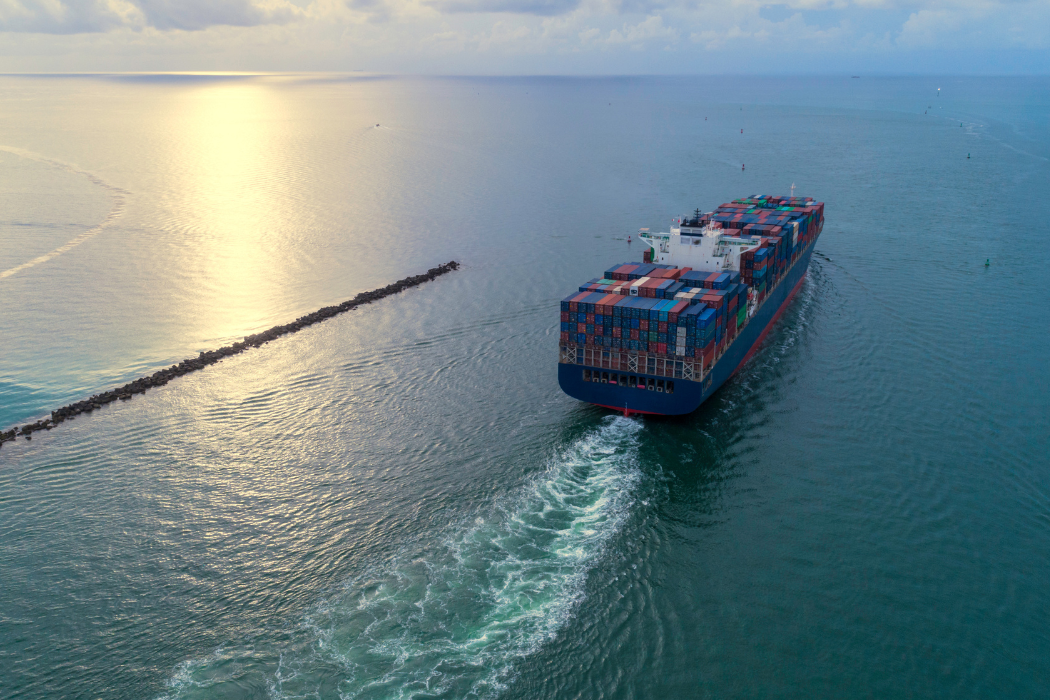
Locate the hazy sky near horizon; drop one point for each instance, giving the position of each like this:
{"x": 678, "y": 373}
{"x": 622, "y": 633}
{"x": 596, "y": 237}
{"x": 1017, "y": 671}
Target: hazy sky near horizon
{"x": 528, "y": 36}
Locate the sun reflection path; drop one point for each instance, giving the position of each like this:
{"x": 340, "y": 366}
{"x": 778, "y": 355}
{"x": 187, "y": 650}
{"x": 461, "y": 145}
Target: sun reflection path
{"x": 233, "y": 194}
{"x": 162, "y": 377}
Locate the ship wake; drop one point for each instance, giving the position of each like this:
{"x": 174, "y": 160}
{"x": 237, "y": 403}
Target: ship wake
{"x": 118, "y": 196}
{"x": 456, "y": 618}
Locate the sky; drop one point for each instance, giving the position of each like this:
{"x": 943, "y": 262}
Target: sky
{"x": 529, "y": 37}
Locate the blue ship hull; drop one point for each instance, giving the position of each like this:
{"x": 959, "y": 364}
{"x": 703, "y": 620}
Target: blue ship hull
{"x": 688, "y": 395}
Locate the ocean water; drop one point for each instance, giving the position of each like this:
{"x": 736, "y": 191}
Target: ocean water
{"x": 400, "y": 503}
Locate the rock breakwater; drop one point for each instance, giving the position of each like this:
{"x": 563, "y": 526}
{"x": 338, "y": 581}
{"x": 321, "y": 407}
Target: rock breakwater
{"x": 210, "y": 357}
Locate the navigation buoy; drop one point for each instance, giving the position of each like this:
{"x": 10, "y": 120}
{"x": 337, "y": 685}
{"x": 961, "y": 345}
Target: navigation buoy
{"x": 628, "y": 239}
{"x": 967, "y": 156}
{"x": 960, "y": 125}
{"x": 741, "y": 131}
{"x": 741, "y": 166}
{"x": 377, "y": 126}
{"x": 987, "y": 262}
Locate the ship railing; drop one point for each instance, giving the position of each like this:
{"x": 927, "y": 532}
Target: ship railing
{"x": 689, "y": 369}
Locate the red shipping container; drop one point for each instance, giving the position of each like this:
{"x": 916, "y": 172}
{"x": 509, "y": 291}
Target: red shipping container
{"x": 565, "y": 336}
{"x": 621, "y": 272}
{"x": 564, "y": 316}
{"x": 634, "y": 334}
{"x": 581, "y": 327}
{"x": 599, "y": 329}
{"x": 672, "y": 313}
{"x": 661, "y": 327}
{"x": 617, "y": 332}
{"x": 643, "y": 324}
{"x": 574, "y": 302}
{"x": 590, "y": 318}
{"x": 661, "y": 348}
{"x": 649, "y": 288}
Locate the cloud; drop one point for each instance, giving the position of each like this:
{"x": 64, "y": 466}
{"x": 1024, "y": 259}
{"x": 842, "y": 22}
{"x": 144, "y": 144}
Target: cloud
{"x": 978, "y": 23}
{"x": 502, "y": 35}
{"x": 636, "y": 35}
{"x": 85, "y": 16}
{"x": 54, "y": 17}
{"x": 517, "y": 36}
{"x": 198, "y": 14}
{"x": 542, "y": 8}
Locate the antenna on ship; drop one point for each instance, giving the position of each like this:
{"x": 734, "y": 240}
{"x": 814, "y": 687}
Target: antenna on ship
{"x": 792, "y": 189}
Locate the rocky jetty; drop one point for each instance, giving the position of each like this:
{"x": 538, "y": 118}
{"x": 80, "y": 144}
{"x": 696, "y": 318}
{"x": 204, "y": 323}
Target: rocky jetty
{"x": 210, "y": 357}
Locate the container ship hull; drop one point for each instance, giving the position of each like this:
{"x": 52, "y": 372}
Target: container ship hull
{"x": 687, "y": 395}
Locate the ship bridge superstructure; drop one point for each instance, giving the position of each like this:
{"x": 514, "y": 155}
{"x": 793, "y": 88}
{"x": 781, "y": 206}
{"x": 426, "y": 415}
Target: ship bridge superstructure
{"x": 701, "y": 244}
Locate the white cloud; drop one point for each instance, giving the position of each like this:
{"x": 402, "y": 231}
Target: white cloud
{"x": 638, "y": 35}
{"x": 977, "y": 24}
{"x": 83, "y": 16}
{"x": 548, "y": 36}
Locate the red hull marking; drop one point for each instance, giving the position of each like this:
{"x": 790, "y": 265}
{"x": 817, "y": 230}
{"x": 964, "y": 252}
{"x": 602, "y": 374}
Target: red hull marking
{"x": 772, "y": 322}
{"x": 629, "y": 412}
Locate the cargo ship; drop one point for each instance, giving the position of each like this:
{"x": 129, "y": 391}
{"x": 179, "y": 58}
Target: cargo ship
{"x": 660, "y": 336}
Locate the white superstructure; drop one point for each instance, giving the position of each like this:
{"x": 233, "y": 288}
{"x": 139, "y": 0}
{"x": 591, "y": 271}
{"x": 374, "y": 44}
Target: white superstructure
{"x": 707, "y": 247}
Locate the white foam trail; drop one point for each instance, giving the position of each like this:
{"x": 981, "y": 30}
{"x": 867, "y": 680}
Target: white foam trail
{"x": 115, "y": 213}
{"x": 454, "y": 619}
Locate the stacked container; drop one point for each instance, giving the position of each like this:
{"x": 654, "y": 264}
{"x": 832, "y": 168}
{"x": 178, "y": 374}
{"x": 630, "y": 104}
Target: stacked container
{"x": 687, "y": 314}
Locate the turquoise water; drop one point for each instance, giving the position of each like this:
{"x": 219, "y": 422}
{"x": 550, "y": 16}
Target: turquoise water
{"x": 400, "y": 503}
